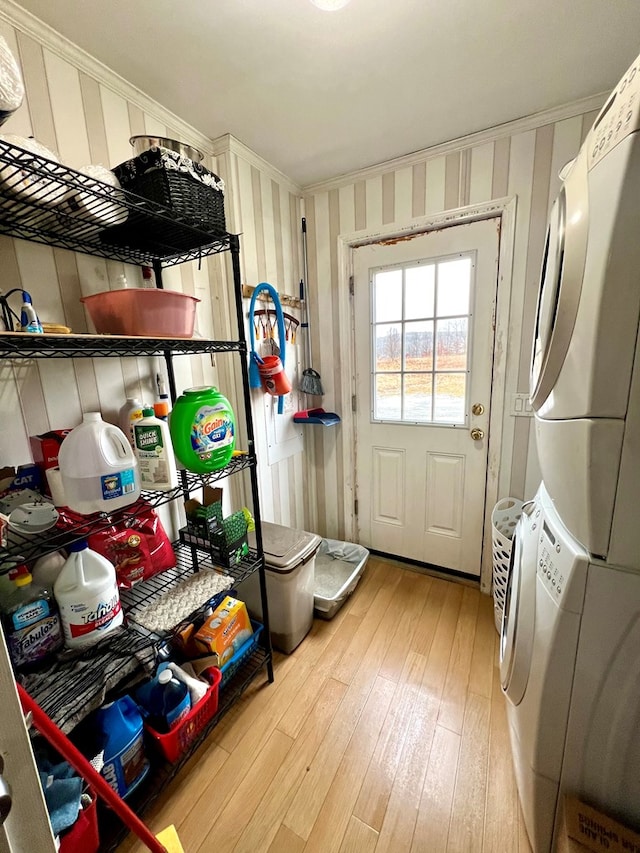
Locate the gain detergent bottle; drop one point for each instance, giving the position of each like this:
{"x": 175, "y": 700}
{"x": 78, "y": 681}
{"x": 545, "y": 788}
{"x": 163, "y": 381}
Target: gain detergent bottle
{"x": 203, "y": 430}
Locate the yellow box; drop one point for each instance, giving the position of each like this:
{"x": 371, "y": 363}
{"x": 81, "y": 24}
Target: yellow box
{"x": 225, "y": 630}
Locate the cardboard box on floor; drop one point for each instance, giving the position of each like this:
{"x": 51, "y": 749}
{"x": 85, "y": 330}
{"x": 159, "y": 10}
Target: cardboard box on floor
{"x": 585, "y": 828}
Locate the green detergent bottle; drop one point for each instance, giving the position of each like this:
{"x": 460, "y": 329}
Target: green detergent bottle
{"x": 203, "y": 430}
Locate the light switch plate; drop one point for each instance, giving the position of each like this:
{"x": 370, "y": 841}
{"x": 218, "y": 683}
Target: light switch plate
{"x": 521, "y": 406}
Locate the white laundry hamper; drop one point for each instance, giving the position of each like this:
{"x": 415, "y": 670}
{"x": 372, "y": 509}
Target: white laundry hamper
{"x": 504, "y": 518}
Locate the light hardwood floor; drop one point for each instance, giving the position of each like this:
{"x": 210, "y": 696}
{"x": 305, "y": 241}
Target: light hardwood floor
{"x": 385, "y": 731}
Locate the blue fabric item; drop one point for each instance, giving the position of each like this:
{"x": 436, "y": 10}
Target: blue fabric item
{"x": 62, "y": 793}
{"x": 254, "y": 376}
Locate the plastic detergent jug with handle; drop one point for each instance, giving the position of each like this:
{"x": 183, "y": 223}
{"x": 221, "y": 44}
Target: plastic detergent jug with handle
{"x": 203, "y": 429}
{"x": 120, "y": 730}
{"x": 87, "y": 593}
{"x": 154, "y": 451}
{"x": 168, "y": 702}
{"x": 98, "y": 467}
{"x": 129, "y": 414}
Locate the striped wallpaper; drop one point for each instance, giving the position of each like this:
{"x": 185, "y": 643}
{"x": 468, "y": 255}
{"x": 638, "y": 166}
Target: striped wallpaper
{"x": 87, "y": 119}
{"x": 84, "y": 121}
{"x": 86, "y": 114}
{"x": 523, "y": 164}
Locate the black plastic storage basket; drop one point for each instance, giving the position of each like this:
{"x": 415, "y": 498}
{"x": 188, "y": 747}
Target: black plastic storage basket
{"x": 190, "y": 192}
{"x": 201, "y": 205}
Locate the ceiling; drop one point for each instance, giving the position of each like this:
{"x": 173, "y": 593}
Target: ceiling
{"x": 318, "y": 94}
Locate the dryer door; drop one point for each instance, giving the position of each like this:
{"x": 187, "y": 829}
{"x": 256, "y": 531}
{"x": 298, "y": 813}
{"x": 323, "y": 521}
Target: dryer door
{"x": 560, "y": 282}
{"x": 518, "y": 621}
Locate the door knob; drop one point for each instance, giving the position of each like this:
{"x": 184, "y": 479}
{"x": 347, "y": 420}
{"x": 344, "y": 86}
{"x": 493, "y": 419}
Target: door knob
{"x": 477, "y": 434}
{"x": 5, "y": 795}
{"x": 477, "y": 409}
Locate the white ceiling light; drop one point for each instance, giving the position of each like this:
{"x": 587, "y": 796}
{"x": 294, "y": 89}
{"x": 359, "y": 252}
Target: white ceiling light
{"x": 330, "y": 5}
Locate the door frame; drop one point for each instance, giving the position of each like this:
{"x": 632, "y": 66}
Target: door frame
{"x": 501, "y": 428}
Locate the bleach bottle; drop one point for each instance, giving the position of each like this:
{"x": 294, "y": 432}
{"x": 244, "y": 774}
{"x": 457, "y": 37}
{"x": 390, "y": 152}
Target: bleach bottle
{"x": 98, "y": 468}
{"x": 87, "y": 594}
{"x": 120, "y": 728}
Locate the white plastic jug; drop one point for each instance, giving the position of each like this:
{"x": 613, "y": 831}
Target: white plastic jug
{"x": 98, "y": 468}
{"x": 87, "y": 594}
{"x": 154, "y": 452}
{"x": 129, "y": 414}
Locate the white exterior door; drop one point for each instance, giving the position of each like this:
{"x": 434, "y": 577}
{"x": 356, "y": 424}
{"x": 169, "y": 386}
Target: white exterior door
{"x": 27, "y": 828}
{"x": 424, "y": 337}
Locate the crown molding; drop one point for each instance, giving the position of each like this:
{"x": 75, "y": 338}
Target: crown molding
{"x": 54, "y": 41}
{"x": 491, "y": 134}
{"x": 230, "y": 144}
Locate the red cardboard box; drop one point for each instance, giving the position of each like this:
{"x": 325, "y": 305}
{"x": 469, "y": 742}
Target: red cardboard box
{"x": 45, "y": 447}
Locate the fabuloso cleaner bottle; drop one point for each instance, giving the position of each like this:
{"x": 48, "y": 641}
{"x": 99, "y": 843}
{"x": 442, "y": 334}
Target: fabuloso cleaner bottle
{"x": 29, "y": 321}
{"x": 98, "y": 468}
{"x": 203, "y": 429}
{"x": 152, "y": 445}
{"x": 88, "y": 597}
{"x": 31, "y": 623}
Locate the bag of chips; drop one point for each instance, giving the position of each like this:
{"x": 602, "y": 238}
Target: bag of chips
{"x": 137, "y": 545}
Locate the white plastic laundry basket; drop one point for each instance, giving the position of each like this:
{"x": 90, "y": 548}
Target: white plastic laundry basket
{"x": 504, "y": 518}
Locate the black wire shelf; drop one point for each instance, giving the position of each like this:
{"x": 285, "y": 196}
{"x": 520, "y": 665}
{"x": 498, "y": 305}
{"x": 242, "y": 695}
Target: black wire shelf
{"x": 24, "y": 345}
{"x": 25, "y": 549}
{"x": 46, "y": 202}
{"x": 112, "y": 830}
{"x": 78, "y": 681}
{"x": 144, "y": 594}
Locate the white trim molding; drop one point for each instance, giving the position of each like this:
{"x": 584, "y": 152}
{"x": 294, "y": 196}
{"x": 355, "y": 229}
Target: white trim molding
{"x": 54, "y": 41}
{"x": 490, "y": 134}
{"x": 229, "y": 144}
{"x": 500, "y": 434}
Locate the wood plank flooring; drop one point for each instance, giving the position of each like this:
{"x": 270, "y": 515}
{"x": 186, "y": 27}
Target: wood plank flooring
{"x": 384, "y": 732}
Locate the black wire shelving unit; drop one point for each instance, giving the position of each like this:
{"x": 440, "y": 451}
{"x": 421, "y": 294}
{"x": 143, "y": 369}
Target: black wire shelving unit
{"x": 21, "y": 345}
{"x": 23, "y": 548}
{"x": 45, "y": 202}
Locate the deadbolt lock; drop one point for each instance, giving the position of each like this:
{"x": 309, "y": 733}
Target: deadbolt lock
{"x": 477, "y": 434}
{"x": 477, "y": 409}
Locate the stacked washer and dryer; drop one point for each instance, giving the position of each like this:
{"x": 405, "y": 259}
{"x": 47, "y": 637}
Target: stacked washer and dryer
{"x": 570, "y": 643}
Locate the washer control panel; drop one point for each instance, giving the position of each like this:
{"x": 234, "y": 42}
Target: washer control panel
{"x": 619, "y": 117}
{"x": 561, "y": 564}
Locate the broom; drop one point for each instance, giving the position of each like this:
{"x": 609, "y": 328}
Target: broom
{"x": 311, "y": 382}
{"x": 166, "y": 841}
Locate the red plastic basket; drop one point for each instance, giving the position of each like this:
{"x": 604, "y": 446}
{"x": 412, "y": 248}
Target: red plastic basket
{"x": 174, "y": 743}
{"x": 83, "y": 835}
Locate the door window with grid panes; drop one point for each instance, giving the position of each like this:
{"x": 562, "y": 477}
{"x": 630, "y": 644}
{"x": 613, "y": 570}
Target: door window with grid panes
{"x": 420, "y": 338}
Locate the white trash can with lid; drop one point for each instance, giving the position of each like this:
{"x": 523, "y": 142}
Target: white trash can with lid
{"x": 290, "y": 557}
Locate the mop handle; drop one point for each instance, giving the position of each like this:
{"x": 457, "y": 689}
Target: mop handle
{"x": 76, "y": 759}
{"x": 305, "y": 260}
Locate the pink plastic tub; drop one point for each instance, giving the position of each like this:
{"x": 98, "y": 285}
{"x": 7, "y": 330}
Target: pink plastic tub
{"x": 142, "y": 311}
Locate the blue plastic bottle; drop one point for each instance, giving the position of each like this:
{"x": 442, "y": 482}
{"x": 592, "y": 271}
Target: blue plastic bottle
{"x": 121, "y": 727}
{"x": 169, "y": 702}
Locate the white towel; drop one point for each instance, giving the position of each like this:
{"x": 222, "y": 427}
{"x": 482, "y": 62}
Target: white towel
{"x": 11, "y": 85}
{"x": 97, "y": 210}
